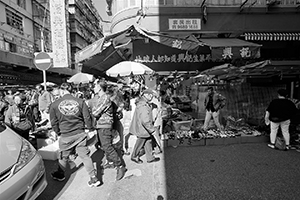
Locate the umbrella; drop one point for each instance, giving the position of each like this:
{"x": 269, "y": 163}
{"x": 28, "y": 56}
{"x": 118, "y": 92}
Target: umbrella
{"x": 50, "y": 84}
{"x": 81, "y": 78}
{"x": 126, "y": 68}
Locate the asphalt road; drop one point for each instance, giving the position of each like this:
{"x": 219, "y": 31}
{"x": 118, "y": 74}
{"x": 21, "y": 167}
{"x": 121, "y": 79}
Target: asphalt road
{"x": 240, "y": 171}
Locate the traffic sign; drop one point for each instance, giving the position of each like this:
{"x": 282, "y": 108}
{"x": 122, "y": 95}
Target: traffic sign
{"x": 42, "y": 61}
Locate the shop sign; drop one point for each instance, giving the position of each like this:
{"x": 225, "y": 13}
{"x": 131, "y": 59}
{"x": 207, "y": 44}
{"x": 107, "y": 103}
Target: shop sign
{"x": 175, "y": 58}
{"x": 185, "y": 24}
{"x": 59, "y": 33}
{"x": 8, "y": 38}
{"x": 228, "y": 53}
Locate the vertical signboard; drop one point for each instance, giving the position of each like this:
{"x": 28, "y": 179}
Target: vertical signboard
{"x": 59, "y": 33}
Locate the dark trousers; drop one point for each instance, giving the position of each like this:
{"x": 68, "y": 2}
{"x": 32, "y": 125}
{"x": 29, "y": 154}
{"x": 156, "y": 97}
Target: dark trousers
{"x": 106, "y": 138}
{"x": 141, "y": 143}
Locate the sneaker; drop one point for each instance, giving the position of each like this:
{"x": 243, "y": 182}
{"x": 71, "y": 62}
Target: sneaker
{"x": 108, "y": 165}
{"x": 94, "y": 182}
{"x": 287, "y": 147}
{"x": 58, "y": 175}
{"x": 120, "y": 172}
{"x": 272, "y": 146}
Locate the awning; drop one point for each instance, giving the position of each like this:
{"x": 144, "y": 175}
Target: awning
{"x": 90, "y": 50}
{"x": 232, "y": 48}
{"x": 261, "y": 69}
{"x": 101, "y": 62}
{"x": 148, "y": 47}
{"x": 273, "y": 36}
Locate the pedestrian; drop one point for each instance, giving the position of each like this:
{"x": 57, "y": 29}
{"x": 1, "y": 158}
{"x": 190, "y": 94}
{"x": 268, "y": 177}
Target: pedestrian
{"x": 102, "y": 111}
{"x": 3, "y": 106}
{"x": 213, "y": 103}
{"x": 279, "y": 113}
{"x": 142, "y": 125}
{"x": 69, "y": 119}
{"x": 44, "y": 102}
{"x": 18, "y": 117}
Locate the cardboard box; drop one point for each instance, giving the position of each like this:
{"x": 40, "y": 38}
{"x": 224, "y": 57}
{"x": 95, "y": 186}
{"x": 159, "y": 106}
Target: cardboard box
{"x": 215, "y": 141}
{"x": 254, "y": 139}
{"x": 172, "y": 143}
{"x": 233, "y": 140}
{"x": 50, "y": 152}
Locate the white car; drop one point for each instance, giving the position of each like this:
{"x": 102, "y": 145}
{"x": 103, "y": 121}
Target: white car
{"x": 22, "y": 171}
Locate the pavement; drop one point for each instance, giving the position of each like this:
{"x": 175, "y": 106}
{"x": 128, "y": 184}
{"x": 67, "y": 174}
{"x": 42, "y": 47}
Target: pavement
{"x": 225, "y": 172}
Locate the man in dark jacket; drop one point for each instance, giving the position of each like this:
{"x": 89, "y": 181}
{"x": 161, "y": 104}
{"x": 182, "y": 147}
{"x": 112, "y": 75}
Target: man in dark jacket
{"x": 69, "y": 118}
{"x": 213, "y": 103}
{"x": 142, "y": 125}
{"x": 102, "y": 111}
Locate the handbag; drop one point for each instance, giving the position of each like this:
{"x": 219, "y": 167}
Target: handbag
{"x": 280, "y": 143}
{"x": 23, "y": 125}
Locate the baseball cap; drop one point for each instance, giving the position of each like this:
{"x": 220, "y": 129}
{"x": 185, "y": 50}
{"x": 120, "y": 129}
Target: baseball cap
{"x": 148, "y": 91}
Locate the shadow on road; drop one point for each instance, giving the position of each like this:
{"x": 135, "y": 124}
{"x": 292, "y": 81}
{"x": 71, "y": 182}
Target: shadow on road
{"x": 242, "y": 171}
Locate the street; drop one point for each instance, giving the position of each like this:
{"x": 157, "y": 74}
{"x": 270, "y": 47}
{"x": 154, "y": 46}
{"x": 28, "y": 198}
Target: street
{"x": 241, "y": 171}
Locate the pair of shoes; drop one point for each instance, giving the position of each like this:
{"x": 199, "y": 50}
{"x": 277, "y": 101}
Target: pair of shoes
{"x": 154, "y": 160}
{"x": 272, "y": 146}
{"x": 137, "y": 160}
{"x": 108, "y": 165}
{"x": 94, "y": 182}
{"x": 58, "y": 175}
{"x": 120, "y": 172}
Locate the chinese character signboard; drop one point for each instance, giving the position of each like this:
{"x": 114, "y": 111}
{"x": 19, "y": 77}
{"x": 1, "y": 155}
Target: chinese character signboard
{"x": 235, "y": 52}
{"x": 160, "y": 57}
{"x": 185, "y": 24}
{"x": 59, "y": 33}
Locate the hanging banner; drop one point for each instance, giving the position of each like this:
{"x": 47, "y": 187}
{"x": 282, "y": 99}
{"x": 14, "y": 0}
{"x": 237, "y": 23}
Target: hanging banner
{"x": 59, "y": 33}
{"x": 160, "y": 57}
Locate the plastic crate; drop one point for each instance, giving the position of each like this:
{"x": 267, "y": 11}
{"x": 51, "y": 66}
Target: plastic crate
{"x": 182, "y": 125}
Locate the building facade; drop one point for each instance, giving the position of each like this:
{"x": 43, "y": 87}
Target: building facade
{"x": 273, "y": 24}
{"x": 24, "y": 23}
{"x": 85, "y": 25}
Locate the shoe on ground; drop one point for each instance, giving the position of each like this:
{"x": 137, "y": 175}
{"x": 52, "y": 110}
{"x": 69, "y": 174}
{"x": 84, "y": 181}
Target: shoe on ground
{"x": 58, "y": 175}
{"x": 120, "y": 172}
{"x": 287, "y": 147}
{"x": 126, "y": 152}
{"x": 153, "y": 160}
{"x": 272, "y": 146}
{"x": 94, "y": 182}
{"x": 108, "y": 165}
{"x": 137, "y": 160}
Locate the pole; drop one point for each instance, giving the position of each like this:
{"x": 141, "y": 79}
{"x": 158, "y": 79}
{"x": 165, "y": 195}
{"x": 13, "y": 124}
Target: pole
{"x": 42, "y": 49}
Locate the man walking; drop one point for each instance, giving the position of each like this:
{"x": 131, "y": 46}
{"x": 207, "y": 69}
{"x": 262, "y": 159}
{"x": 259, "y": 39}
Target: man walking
{"x": 69, "y": 118}
{"x": 102, "y": 110}
{"x": 142, "y": 126}
{"x": 213, "y": 103}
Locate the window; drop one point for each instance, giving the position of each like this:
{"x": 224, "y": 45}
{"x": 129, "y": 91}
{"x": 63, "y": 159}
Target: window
{"x": 22, "y": 3}
{"x": 14, "y": 20}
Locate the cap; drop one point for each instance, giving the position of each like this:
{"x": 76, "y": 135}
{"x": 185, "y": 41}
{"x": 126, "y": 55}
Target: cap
{"x": 148, "y": 91}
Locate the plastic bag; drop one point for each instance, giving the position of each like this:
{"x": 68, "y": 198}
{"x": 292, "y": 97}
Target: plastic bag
{"x": 280, "y": 143}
